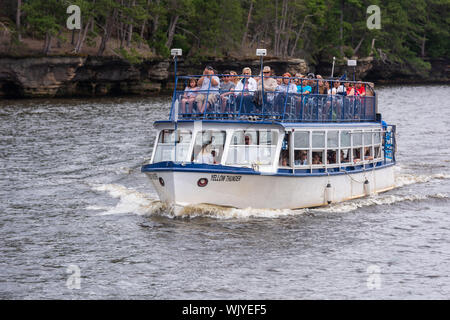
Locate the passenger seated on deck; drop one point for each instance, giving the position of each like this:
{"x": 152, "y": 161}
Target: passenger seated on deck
{"x": 245, "y": 89}
{"x": 286, "y": 88}
{"x": 316, "y": 158}
{"x": 226, "y": 88}
{"x": 189, "y": 96}
{"x": 284, "y": 158}
{"x": 297, "y": 79}
{"x": 344, "y": 158}
{"x": 356, "y": 155}
{"x": 300, "y": 158}
{"x": 340, "y": 89}
{"x": 331, "y": 157}
{"x": 360, "y": 89}
{"x": 367, "y": 155}
{"x": 204, "y": 156}
{"x": 349, "y": 89}
{"x": 270, "y": 85}
{"x": 318, "y": 87}
{"x": 207, "y": 82}
{"x": 304, "y": 88}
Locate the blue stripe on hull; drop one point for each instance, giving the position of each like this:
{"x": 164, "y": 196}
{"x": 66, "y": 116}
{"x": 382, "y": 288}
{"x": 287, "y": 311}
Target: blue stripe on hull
{"x": 206, "y": 168}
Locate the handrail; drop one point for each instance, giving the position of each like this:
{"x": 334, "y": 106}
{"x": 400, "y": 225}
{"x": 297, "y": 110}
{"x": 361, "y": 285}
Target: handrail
{"x": 295, "y": 107}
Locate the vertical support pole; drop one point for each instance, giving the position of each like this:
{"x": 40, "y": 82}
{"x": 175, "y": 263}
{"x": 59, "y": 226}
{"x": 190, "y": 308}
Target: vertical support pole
{"x": 262, "y": 84}
{"x": 175, "y": 111}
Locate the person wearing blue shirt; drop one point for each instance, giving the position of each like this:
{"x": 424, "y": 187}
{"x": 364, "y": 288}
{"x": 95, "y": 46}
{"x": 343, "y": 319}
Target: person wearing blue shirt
{"x": 304, "y": 88}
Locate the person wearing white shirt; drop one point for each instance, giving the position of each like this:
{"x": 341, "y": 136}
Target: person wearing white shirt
{"x": 245, "y": 90}
{"x": 204, "y": 155}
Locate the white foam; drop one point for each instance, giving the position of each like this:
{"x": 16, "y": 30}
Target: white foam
{"x": 408, "y": 179}
{"x": 130, "y": 201}
{"x": 203, "y": 210}
{"x": 352, "y": 205}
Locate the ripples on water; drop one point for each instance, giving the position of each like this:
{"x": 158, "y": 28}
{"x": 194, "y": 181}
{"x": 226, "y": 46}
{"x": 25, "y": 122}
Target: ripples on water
{"x": 72, "y": 193}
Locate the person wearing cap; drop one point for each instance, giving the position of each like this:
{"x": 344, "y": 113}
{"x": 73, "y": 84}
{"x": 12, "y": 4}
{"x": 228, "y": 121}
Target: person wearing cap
{"x": 209, "y": 88}
{"x": 270, "y": 84}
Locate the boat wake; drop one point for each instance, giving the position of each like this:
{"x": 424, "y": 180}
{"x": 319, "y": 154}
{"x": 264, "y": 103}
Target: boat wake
{"x": 133, "y": 201}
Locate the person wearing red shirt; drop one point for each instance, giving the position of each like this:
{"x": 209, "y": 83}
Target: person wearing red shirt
{"x": 360, "y": 89}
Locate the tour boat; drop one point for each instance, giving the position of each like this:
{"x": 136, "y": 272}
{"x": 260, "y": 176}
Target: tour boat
{"x": 275, "y": 150}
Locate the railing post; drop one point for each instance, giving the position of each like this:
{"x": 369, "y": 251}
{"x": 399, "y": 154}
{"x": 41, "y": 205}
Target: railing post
{"x": 301, "y": 99}
{"x": 242, "y": 95}
{"x": 365, "y": 95}
{"x": 262, "y": 84}
{"x": 317, "y": 99}
{"x": 207, "y": 96}
{"x": 285, "y": 100}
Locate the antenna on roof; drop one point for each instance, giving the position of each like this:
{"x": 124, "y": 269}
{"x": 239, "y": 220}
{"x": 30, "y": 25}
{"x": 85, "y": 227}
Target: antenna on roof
{"x": 262, "y": 53}
{"x": 175, "y": 104}
{"x": 332, "y": 69}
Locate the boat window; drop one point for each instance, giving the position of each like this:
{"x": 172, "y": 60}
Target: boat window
{"x": 172, "y": 145}
{"x": 356, "y": 155}
{"x": 345, "y": 155}
{"x": 301, "y": 140}
{"x": 208, "y": 147}
{"x": 317, "y": 157}
{"x": 368, "y": 153}
{"x": 252, "y": 147}
{"x": 301, "y": 158}
{"x": 332, "y": 156}
{"x": 318, "y": 139}
{"x": 345, "y": 139}
{"x": 301, "y": 148}
{"x": 368, "y": 138}
{"x": 377, "y": 137}
{"x": 377, "y": 152}
{"x": 285, "y": 154}
{"x": 333, "y": 139}
{"x": 357, "y": 138}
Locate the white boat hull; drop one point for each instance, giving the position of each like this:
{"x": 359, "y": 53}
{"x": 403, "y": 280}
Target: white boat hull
{"x": 269, "y": 191}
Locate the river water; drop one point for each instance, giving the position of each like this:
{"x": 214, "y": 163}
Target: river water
{"x": 75, "y": 206}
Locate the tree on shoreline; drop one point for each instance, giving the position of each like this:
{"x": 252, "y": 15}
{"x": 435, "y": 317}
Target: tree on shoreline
{"x": 412, "y": 30}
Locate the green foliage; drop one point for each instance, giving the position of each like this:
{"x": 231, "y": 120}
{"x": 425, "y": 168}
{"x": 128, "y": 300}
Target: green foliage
{"x": 132, "y": 56}
{"x": 411, "y": 30}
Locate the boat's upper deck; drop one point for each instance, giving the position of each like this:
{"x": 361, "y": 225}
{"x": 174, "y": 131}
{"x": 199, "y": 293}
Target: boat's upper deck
{"x": 295, "y": 100}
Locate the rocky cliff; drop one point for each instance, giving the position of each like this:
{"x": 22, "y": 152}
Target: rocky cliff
{"x": 69, "y": 76}
{"x": 79, "y": 76}
{"x": 101, "y": 76}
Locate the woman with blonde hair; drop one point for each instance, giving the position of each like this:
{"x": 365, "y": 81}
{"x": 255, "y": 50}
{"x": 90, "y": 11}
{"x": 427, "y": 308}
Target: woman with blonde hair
{"x": 245, "y": 89}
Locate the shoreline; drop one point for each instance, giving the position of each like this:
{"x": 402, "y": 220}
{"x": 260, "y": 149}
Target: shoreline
{"x": 168, "y": 94}
{"x": 70, "y": 76}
